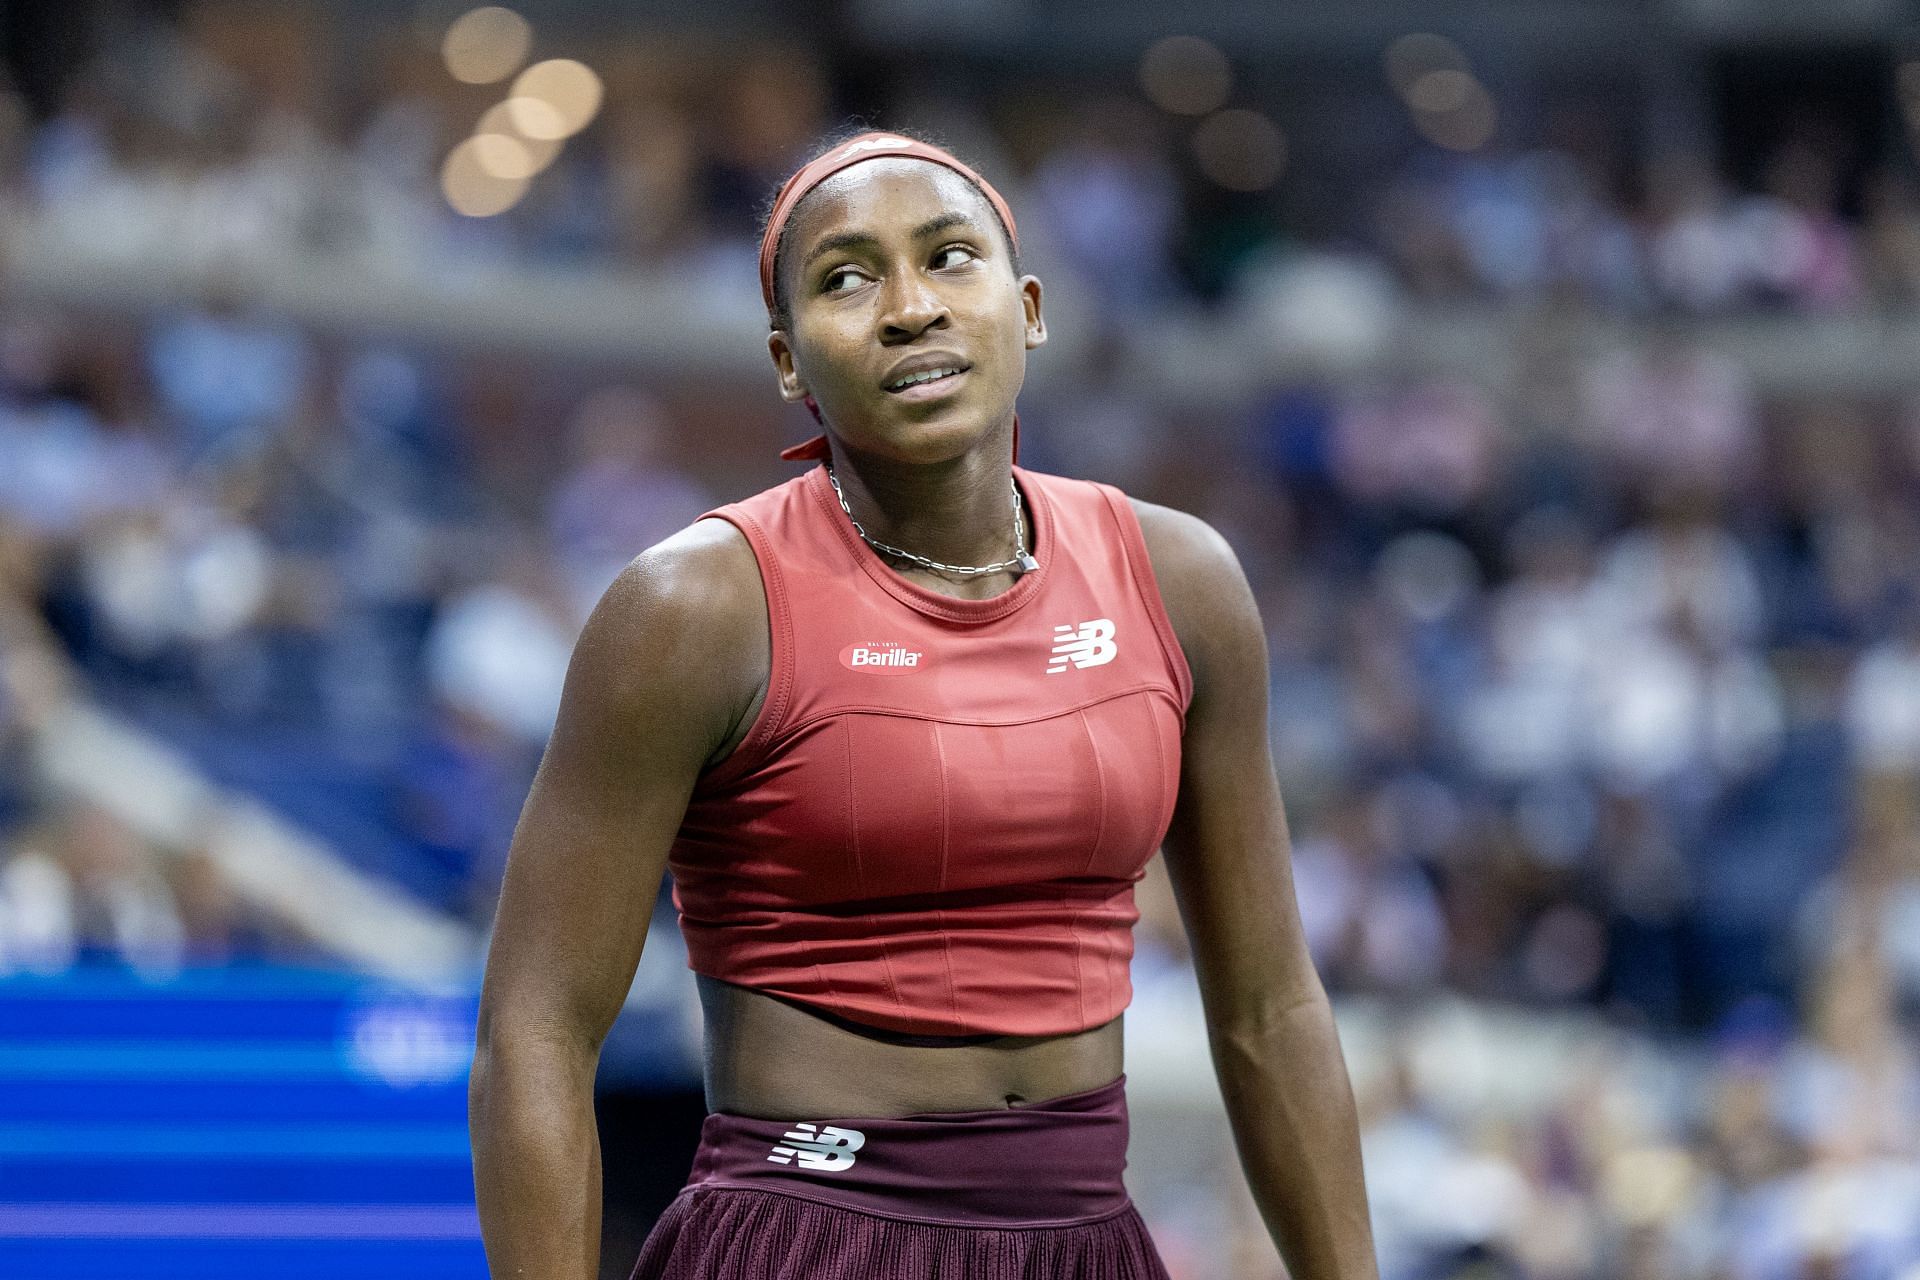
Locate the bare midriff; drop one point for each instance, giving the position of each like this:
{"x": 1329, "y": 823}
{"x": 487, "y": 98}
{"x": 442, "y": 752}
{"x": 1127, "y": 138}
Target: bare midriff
{"x": 768, "y": 1059}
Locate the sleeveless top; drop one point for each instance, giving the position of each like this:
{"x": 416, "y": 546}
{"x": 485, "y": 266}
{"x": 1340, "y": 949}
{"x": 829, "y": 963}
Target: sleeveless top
{"x": 935, "y": 823}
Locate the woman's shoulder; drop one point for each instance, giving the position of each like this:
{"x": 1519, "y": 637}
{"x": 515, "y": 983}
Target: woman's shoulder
{"x": 1181, "y": 540}
{"x": 1170, "y": 533}
{"x": 696, "y": 572}
{"x": 771, "y": 506}
{"x": 1202, "y": 585}
{"x": 689, "y": 612}
{"x": 1175, "y": 540}
{"x": 1193, "y": 565}
{"x": 708, "y": 570}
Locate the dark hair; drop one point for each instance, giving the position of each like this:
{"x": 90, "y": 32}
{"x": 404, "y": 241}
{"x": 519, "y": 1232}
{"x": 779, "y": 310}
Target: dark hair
{"x": 782, "y": 316}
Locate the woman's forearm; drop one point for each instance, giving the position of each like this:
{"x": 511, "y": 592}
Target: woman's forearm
{"x": 536, "y": 1160}
{"x": 1291, "y": 1107}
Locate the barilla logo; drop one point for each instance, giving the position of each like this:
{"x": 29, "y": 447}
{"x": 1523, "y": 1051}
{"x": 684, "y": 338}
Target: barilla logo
{"x": 886, "y": 658}
{"x": 825, "y": 1148}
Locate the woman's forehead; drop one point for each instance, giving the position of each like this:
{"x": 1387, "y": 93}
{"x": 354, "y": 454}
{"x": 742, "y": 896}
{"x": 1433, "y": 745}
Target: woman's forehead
{"x": 892, "y": 194}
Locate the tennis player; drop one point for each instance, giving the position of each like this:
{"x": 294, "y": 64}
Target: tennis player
{"x": 906, "y": 729}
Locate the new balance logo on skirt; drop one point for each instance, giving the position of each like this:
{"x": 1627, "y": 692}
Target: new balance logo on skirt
{"x": 1088, "y": 645}
{"x": 824, "y": 1148}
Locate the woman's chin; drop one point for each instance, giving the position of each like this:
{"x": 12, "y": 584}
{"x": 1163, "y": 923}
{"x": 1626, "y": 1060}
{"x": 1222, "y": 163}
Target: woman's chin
{"x": 940, "y": 438}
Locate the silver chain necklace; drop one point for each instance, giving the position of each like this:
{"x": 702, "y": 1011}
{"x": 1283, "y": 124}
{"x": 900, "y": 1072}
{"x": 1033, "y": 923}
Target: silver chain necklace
{"x": 1021, "y": 560}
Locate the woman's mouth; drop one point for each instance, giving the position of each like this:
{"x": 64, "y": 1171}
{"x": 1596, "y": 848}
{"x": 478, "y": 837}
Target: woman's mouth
{"x": 928, "y": 385}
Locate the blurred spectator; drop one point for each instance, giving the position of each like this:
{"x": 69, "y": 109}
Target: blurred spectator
{"x": 620, "y": 493}
{"x": 1106, "y": 188}
{"x": 498, "y": 651}
{"x": 117, "y": 903}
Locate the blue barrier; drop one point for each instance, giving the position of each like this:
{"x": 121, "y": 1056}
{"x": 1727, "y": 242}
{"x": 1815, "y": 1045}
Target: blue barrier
{"x": 234, "y": 1122}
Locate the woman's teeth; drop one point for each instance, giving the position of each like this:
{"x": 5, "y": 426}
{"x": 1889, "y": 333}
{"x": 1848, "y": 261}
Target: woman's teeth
{"x": 929, "y": 376}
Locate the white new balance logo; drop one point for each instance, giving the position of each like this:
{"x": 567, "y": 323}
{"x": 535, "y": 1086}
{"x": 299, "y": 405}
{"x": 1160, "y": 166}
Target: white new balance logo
{"x": 871, "y": 144}
{"x": 825, "y": 1148}
{"x": 1088, "y": 645}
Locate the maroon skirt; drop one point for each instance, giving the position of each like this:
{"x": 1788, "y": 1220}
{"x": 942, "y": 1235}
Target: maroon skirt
{"x": 1020, "y": 1193}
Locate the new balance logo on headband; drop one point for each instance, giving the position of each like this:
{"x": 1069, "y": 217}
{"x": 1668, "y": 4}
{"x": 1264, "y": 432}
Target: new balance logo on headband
{"x": 858, "y": 145}
{"x": 1088, "y": 645}
{"x": 823, "y": 1148}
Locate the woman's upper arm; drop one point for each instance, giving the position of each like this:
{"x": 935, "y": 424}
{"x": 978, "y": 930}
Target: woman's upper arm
{"x": 1227, "y": 849}
{"x": 662, "y": 675}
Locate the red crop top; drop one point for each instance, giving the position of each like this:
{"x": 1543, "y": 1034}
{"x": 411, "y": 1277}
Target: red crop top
{"x": 936, "y": 821}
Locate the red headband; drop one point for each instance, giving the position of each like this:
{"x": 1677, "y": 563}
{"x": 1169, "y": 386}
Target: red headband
{"x": 868, "y": 146}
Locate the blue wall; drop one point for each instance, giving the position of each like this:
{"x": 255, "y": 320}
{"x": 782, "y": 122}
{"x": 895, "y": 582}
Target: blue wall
{"x": 234, "y": 1122}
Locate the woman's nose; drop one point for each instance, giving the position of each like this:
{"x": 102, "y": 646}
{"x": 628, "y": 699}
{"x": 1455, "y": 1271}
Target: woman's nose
{"x": 913, "y": 305}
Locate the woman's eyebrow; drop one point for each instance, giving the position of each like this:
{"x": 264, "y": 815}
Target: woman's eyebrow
{"x": 858, "y": 239}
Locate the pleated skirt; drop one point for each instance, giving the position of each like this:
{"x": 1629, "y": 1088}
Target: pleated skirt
{"x": 1021, "y": 1193}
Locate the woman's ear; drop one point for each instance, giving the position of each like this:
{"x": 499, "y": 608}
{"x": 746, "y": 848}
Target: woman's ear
{"x": 793, "y": 387}
{"x": 1036, "y": 326}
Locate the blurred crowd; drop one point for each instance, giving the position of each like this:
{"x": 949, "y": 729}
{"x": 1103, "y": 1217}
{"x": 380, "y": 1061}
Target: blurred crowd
{"x": 224, "y": 137}
{"x": 1553, "y": 221}
{"x": 1755, "y": 1153}
{"x": 1595, "y": 688}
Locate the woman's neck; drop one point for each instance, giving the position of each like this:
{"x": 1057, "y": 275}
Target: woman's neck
{"x": 957, "y": 512}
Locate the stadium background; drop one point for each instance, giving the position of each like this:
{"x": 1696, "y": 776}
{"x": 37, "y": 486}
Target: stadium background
{"x": 1553, "y": 367}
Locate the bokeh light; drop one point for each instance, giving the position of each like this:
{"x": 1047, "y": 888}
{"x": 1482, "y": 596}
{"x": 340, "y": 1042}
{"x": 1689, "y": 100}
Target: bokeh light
{"x": 469, "y": 186}
{"x": 1467, "y": 120}
{"x": 502, "y": 156}
{"x": 1418, "y": 54}
{"x": 1443, "y": 91}
{"x": 484, "y": 45}
{"x": 1186, "y": 76}
{"x": 1241, "y": 150}
{"x": 498, "y": 120}
{"x": 554, "y": 99}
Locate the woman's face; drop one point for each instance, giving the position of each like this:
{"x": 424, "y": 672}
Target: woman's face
{"x": 895, "y": 267}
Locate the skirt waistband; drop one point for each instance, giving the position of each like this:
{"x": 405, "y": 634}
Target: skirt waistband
{"x": 1049, "y": 1163}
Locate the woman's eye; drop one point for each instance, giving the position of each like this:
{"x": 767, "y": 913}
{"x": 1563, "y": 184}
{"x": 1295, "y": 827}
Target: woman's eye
{"x": 837, "y": 280}
{"x": 832, "y": 282}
